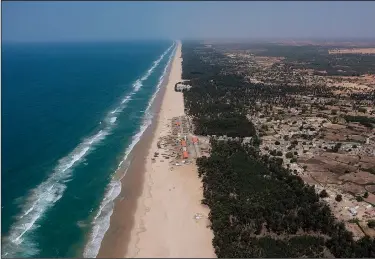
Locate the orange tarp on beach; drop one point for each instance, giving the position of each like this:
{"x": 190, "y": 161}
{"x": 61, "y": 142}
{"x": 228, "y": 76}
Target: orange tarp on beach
{"x": 185, "y": 154}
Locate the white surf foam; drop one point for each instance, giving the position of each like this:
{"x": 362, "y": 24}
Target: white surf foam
{"x": 113, "y": 119}
{"x": 43, "y": 197}
{"x": 102, "y": 219}
{"x": 137, "y": 85}
{"x": 105, "y": 212}
{"x": 160, "y": 82}
{"x": 126, "y": 99}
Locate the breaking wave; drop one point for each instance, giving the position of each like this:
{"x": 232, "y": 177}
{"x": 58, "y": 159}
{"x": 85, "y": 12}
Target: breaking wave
{"x": 46, "y": 194}
{"x": 101, "y": 221}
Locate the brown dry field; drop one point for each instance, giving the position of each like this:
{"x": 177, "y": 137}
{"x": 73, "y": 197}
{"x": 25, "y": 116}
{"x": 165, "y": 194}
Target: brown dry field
{"x": 370, "y": 188}
{"x": 369, "y": 231}
{"x": 353, "y": 228}
{"x": 328, "y": 168}
{"x": 337, "y": 132}
{"x": 267, "y": 61}
{"x": 352, "y": 51}
{"x": 326, "y": 43}
{"x": 341, "y": 168}
{"x": 363, "y": 79}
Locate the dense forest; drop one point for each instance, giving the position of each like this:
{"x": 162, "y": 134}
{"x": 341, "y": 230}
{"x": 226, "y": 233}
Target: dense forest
{"x": 258, "y": 208}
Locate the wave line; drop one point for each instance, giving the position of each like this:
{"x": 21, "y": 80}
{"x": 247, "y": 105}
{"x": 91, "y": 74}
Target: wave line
{"x": 47, "y": 193}
{"x": 101, "y": 221}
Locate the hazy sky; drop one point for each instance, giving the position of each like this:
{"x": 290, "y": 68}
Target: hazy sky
{"x": 77, "y": 21}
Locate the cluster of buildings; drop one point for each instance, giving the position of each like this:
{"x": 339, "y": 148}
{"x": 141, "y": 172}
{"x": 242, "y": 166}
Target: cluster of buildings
{"x": 185, "y": 154}
{"x": 179, "y": 87}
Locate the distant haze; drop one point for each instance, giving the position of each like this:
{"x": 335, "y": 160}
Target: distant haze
{"x": 106, "y": 21}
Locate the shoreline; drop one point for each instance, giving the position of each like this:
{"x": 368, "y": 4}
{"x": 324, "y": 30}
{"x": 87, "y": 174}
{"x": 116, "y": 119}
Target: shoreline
{"x": 114, "y": 243}
{"x": 159, "y": 204}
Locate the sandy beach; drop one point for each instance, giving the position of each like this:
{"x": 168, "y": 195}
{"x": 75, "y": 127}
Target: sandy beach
{"x": 156, "y": 217}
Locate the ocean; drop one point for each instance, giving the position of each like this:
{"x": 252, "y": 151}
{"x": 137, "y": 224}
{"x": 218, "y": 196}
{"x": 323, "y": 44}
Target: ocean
{"x": 71, "y": 114}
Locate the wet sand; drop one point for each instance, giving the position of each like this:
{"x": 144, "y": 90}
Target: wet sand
{"x": 155, "y": 218}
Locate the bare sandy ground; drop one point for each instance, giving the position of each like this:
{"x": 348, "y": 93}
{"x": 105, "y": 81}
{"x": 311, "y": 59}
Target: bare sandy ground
{"x": 164, "y": 223}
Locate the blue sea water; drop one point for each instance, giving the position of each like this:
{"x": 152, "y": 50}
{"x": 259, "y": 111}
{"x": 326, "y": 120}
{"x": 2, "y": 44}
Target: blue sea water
{"x": 71, "y": 113}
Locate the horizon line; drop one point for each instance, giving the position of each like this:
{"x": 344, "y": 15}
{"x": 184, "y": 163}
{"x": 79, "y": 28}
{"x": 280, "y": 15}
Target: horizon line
{"x": 318, "y": 38}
